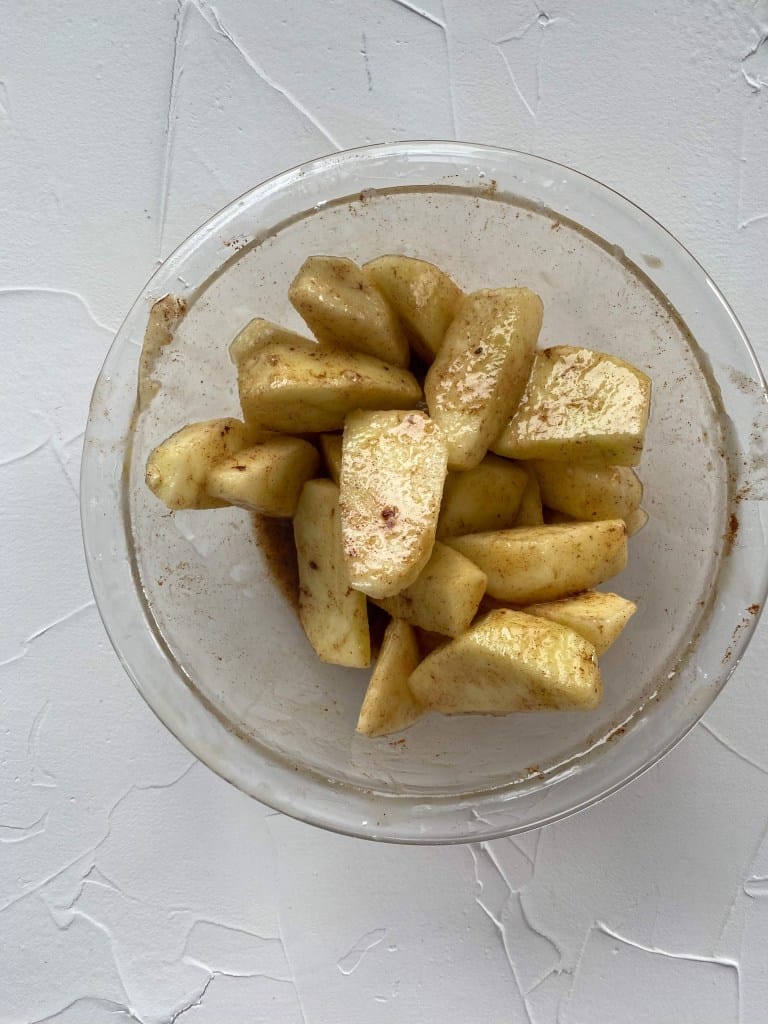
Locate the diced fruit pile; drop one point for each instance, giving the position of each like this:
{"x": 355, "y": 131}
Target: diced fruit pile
{"x": 477, "y": 498}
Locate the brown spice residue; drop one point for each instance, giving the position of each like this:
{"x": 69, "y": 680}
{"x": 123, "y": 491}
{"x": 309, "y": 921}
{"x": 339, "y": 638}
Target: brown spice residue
{"x": 275, "y": 538}
{"x": 736, "y": 633}
{"x": 731, "y": 532}
{"x": 164, "y": 318}
{"x": 389, "y": 515}
{"x": 753, "y": 609}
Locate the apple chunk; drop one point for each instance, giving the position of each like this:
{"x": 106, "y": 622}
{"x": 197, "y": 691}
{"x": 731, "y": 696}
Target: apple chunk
{"x": 579, "y": 406}
{"x": 423, "y": 297}
{"x": 300, "y": 387}
{"x": 484, "y": 498}
{"x": 393, "y": 467}
{"x": 334, "y": 616}
{"x": 481, "y": 369}
{"x": 588, "y": 491}
{"x": 509, "y": 661}
{"x": 267, "y": 477}
{"x": 177, "y": 470}
{"x": 258, "y": 332}
{"x": 530, "y": 511}
{"x": 340, "y": 307}
{"x": 389, "y": 706}
{"x": 542, "y": 563}
{"x": 445, "y": 596}
{"x": 330, "y": 445}
{"x": 598, "y": 617}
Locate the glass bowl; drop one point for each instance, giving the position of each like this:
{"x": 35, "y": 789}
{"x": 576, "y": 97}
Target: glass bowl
{"x": 190, "y": 599}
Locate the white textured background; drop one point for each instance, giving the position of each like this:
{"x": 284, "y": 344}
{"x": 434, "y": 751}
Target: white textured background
{"x": 134, "y": 884}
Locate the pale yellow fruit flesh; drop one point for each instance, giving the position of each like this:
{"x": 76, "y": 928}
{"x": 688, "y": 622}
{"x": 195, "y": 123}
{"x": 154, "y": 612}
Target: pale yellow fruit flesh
{"x": 423, "y": 297}
{"x": 177, "y": 470}
{"x": 588, "y": 492}
{"x": 389, "y": 706}
{"x": 480, "y": 499}
{"x": 543, "y": 563}
{"x": 266, "y": 478}
{"x": 257, "y": 333}
{"x": 579, "y": 406}
{"x": 392, "y": 472}
{"x": 334, "y": 616}
{"x": 302, "y": 387}
{"x": 445, "y": 596}
{"x": 634, "y": 521}
{"x": 530, "y": 511}
{"x": 481, "y": 369}
{"x": 598, "y": 617}
{"x": 509, "y": 661}
{"x": 340, "y": 307}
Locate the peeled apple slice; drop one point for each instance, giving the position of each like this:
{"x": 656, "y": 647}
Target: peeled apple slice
{"x": 588, "y": 491}
{"x": 509, "y": 661}
{"x": 334, "y": 616}
{"x": 634, "y": 521}
{"x": 423, "y": 297}
{"x": 393, "y": 467}
{"x": 598, "y": 617}
{"x": 303, "y": 388}
{"x": 445, "y": 596}
{"x": 482, "y": 368}
{"x": 484, "y": 498}
{"x": 579, "y": 406}
{"x": 257, "y": 333}
{"x": 266, "y": 478}
{"x": 177, "y": 470}
{"x": 389, "y": 706}
{"x": 340, "y": 307}
{"x": 542, "y": 563}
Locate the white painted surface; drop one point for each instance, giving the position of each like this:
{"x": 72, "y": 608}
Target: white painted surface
{"x": 135, "y": 885}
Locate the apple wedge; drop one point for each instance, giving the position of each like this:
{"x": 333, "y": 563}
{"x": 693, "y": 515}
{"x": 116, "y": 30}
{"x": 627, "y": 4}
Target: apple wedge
{"x": 482, "y": 368}
{"x": 177, "y": 470}
{"x": 480, "y": 499}
{"x": 302, "y": 388}
{"x": 634, "y": 520}
{"x": 259, "y": 332}
{"x": 579, "y": 406}
{"x": 393, "y": 468}
{"x": 334, "y": 616}
{"x": 423, "y": 298}
{"x": 338, "y": 304}
{"x": 542, "y": 563}
{"x": 267, "y": 477}
{"x": 588, "y": 492}
{"x": 445, "y": 596}
{"x": 598, "y": 617}
{"x": 509, "y": 661}
{"x": 388, "y": 705}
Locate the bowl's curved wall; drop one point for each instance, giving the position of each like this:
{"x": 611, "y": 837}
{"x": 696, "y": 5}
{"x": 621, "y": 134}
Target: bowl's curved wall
{"x": 188, "y": 598}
